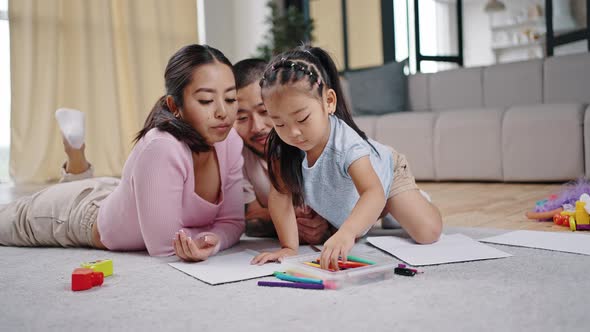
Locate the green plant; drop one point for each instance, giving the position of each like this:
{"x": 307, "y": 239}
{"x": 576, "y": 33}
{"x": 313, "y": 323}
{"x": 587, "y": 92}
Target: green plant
{"x": 287, "y": 30}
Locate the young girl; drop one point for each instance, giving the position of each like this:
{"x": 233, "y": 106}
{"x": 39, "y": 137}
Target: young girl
{"x": 318, "y": 155}
{"x": 253, "y": 124}
{"x": 181, "y": 187}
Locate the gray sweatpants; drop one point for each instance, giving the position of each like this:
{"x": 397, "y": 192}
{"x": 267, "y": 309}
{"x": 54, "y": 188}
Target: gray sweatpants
{"x": 60, "y": 215}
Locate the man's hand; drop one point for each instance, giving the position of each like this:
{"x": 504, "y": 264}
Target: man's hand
{"x": 312, "y": 230}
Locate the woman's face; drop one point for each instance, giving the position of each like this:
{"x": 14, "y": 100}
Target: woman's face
{"x": 210, "y": 104}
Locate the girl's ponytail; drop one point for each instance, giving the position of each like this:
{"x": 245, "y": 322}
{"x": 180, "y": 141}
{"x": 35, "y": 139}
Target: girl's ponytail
{"x": 328, "y": 68}
{"x": 162, "y": 118}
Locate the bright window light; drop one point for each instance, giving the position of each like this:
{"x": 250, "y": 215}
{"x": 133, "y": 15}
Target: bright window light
{"x": 4, "y": 92}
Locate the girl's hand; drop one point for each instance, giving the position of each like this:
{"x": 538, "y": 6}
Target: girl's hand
{"x": 191, "y": 250}
{"x": 272, "y": 256}
{"x": 336, "y": 247}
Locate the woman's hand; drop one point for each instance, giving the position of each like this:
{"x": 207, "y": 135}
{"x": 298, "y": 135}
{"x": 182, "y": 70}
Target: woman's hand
{"x": 196, "y": 250}
{"x": 337, "y": 247}
{"x": 273, "y": 256}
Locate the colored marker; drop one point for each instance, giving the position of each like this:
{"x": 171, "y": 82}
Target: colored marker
{"x": 290, "y": 285}
{"x": 312, "y": 264}
{"x": 404, "y": 272}
{"x": 350, "y": 265}
{"x": 284, "y": 276}
{"x": 299, "y": 274}
{"x": 317, "y": 265}
{"x": 360, "y": 260}
{"x": 347, "y": 264}
{"x": 404, "y": 267}
{"x": 328, "y": 284}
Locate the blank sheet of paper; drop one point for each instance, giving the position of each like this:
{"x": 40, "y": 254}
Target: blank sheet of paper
{"x": 566, "y": 242}
{"x": 226, "y": 268}
{"x": 449, "y": 249}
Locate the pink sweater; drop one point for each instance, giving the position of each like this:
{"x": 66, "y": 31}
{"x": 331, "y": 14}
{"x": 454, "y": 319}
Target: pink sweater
{"x": 156, "y": 197}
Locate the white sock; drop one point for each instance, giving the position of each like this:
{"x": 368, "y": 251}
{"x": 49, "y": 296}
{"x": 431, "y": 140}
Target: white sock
{"x": 71, "y": 124}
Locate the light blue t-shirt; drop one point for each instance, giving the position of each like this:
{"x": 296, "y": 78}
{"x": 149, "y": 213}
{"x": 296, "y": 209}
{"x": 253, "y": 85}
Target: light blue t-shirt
{"x": 327, "y": 186}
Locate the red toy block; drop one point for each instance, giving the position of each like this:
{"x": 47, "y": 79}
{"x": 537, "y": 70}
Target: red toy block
{"x": 561, "y": 220}
{"x": 83, "y": 279}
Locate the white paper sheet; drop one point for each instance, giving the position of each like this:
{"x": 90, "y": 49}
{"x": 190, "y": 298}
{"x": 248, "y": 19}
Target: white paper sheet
{"x": 566, "y": 242}
{"x": 231, "y": 267}
{"x": 449, "y": 249}
{"x": 226, "y": 268}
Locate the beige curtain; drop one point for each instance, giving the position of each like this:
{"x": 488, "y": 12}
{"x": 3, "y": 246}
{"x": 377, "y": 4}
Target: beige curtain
{"x": 103, "y": 57}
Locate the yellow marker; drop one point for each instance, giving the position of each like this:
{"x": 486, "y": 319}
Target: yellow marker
{"x": 103, "y": 265}
{"x": 312, "y": 264}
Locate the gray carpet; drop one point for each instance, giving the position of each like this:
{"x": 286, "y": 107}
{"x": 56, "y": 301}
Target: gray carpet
{"x": 536, "y": 290}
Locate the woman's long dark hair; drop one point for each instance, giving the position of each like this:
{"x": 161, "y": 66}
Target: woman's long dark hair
{"x": 317, "y": 67}
{"x": 177, "y": 76}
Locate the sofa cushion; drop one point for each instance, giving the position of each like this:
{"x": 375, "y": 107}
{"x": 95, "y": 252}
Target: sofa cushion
{"x": 567, "y": 79}
{"x": 410, "y": 133}
{"x": 456, "y": 89}
{"x": 513, "y": 84}
{"x": 467, "y": 145}
{"x": 367, "y": 124}
{"x": 587, "y": 141}
{"x": 543, "y": 142}
{"x": 418, "y": 92}
{"x": 378, "y": 90}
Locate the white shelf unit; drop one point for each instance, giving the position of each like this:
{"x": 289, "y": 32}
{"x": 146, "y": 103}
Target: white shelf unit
{"x": 535, "y": 23}
{"x": 518, "y": 33}
{"x": 532, "y": 44}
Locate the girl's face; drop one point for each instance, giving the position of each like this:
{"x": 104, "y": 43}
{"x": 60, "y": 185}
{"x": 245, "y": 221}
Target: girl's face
{"x": 300, "y": 119}
{"x": 210, "y": 101}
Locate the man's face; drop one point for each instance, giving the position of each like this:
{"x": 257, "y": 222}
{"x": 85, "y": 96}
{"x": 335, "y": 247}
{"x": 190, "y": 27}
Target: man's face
{"x": 252, "y": 122}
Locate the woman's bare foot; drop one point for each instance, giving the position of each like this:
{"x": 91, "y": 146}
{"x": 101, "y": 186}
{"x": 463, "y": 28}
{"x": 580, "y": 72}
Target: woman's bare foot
{"x": 76, "y": 162}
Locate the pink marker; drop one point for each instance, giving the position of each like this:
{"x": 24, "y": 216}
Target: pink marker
{"x": 403, "y": 266}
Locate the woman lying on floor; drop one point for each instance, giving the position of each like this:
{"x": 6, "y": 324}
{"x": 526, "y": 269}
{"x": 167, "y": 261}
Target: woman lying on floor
{"x": 181, "y": 188}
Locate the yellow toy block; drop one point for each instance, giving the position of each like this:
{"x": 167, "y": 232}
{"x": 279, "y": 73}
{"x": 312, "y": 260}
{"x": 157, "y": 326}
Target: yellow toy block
{"x": 582, "y": 217}
{"x": 103, "y": 265}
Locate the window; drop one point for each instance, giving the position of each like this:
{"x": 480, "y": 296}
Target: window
{"x": 437, "y": 32}
{"x": 4, "y": 92}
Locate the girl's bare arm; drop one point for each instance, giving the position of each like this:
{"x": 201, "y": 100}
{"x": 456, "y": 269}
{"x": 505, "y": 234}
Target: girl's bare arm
{"x": 282, "y": 214}
{"x": 371, "y": 201}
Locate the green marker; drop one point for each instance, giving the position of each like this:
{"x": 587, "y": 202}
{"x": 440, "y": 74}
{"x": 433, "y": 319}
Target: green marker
{"x": 287, "y": 277}
{"x": 360, "y": 260}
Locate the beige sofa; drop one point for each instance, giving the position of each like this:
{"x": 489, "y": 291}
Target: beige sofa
{"x": 523, "y": 122}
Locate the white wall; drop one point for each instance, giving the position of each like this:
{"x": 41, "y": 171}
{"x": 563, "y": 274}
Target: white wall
{"x": 250, "y": 27}
{"x": 477, "y": 35}
{"x": 236, "y": 27}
